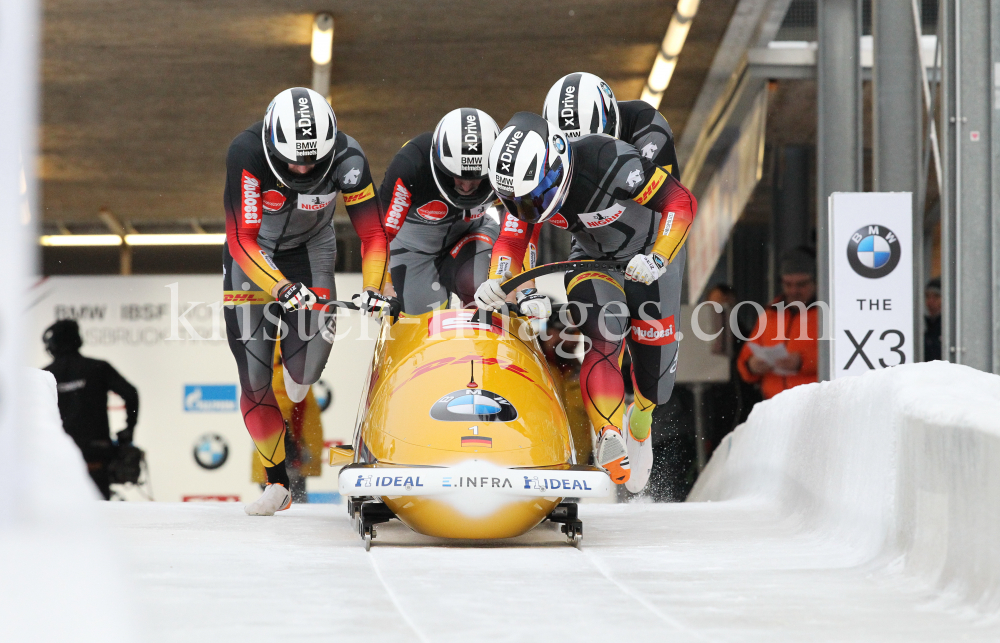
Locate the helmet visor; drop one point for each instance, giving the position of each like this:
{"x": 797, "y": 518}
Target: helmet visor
{"x": 543, "y": 201}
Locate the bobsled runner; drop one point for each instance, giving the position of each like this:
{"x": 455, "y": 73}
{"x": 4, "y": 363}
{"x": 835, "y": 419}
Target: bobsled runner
{"x": 460, "y": 433}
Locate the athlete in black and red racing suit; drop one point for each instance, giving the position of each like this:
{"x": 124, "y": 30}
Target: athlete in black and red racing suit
{"x": 437, "y": 212}
{"x": 580, "y": 103}
{"x": 283, "y": 176}
{"x": 619, "y": 206}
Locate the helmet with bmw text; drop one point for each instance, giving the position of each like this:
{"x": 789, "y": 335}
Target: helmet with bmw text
{"x": 300, "y": 128}
{"x": 530, "y": 168}
{"x": 580, "y": 104}
{"x": 459, "y": 148}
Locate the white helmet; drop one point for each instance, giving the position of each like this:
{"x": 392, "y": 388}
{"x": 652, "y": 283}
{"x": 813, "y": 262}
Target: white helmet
{"x": 300, "y": 128}
{"x": 580, "y": 104}
{"x": 530, "y": 169}
{"x": 461, "y": 143}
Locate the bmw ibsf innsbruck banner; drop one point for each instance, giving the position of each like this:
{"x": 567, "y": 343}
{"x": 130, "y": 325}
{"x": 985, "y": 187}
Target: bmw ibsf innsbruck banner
{"x": 165, "y": 334}
{"x": 871, "y": 274}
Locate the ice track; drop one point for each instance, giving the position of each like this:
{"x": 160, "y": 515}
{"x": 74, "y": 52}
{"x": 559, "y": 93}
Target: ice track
{"x": 725, "y": 571}
{"x": 866, "y": 509}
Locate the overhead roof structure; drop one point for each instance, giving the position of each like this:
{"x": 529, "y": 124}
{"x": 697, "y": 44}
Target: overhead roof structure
{"x": 140, "y": 98}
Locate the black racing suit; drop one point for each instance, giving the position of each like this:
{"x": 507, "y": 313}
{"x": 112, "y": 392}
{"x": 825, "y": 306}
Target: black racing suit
{"x": 274, "y": 233}
{"x": 83, "y": 384}
{"x": 646, "y": 129}
{"x": 619, "y": 205}
{"x": 436, "y": 249}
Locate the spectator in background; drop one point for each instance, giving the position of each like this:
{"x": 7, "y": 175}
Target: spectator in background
{"x": 781, "y": 361}
{"x": 932, "y": 320}
{"x": 83, "y": 384}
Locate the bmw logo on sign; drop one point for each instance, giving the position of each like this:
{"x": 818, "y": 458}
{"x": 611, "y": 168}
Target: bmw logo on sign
{"x": 211, "y": 451}
{"x": 873, "y": 251}
{"x": 473, "y": 405}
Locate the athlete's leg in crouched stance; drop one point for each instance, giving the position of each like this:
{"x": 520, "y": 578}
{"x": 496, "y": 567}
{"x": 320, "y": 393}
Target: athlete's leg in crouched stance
{"x": 652, "y": 344}
{"x": 252, "y": 329}
{"x": 598, "y": 308}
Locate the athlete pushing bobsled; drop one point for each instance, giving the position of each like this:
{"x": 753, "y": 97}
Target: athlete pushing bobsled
{"x": 618, "y": 205}
{"x": 282, "y": 179}
{"x": 436, "y": 196}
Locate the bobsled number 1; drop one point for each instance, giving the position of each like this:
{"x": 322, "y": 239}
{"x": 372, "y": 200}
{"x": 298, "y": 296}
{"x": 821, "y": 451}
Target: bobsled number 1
{"x": 434, "y": 481}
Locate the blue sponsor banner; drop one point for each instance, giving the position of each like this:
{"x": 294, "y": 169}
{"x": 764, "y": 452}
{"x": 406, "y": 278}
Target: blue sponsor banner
{"x": 210, "y": 398}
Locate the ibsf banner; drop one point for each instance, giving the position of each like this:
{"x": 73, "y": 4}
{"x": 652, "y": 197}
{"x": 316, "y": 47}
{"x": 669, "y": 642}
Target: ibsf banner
{"x": 871, "y": 271}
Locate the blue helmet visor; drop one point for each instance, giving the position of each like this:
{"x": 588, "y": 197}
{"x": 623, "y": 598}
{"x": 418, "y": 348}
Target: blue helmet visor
{"x": 543, "y": 201}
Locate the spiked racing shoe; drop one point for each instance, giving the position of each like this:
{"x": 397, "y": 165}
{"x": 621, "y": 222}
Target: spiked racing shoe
{"x": 640, "y": 455}
{"x": 275, "y": 498}
{"x": 612, "y": 454}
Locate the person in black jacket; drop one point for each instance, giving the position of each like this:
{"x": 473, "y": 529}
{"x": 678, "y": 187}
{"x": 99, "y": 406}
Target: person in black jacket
{"x": 83, "y": 384}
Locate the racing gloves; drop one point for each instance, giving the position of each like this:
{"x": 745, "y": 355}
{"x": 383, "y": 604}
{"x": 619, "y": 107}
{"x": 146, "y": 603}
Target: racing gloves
{"x": 375, "y": 304}
{"x": 489, "y": 295}
{"x": 646, "y": 268}
{"x": 295, "y": 297}
{"x": 533, "y": 305}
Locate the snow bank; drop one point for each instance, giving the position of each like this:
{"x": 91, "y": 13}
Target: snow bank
{"x": 61, "y": 580}
{"x": 902, "y": 465}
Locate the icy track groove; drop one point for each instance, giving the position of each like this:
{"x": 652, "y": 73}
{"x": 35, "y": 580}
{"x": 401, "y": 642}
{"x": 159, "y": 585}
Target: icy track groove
{"x": 721, "y": 571}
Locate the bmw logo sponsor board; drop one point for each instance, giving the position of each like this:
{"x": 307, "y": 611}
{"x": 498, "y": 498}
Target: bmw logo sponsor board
{"x": 473, "y": 406}
{"x": 211, "y": 451}
{"x": 873, "y": 251}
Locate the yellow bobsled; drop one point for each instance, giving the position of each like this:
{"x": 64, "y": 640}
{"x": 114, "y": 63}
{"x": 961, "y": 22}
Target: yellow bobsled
{"x": 460, "y": 433}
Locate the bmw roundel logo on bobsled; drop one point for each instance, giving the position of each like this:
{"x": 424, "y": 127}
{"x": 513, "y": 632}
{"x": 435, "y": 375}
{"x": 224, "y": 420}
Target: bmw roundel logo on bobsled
{"x": 473, "y": 406}
{"x": 873, "y": 251}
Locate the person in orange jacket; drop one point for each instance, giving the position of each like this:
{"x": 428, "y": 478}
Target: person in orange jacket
{"x": 773, "y": 371}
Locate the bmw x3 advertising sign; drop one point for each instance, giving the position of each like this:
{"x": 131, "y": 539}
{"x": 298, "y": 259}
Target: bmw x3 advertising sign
{"x": 871, "y": 281}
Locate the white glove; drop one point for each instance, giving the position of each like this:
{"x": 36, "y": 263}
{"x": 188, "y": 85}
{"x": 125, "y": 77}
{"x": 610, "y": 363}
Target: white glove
{"x": 296, "y": 296}
{"x": 646, "y": 268}
{"x": 489, "y": 295}
{"x": 373, "y": 303}
{"x": 533, "y": 305}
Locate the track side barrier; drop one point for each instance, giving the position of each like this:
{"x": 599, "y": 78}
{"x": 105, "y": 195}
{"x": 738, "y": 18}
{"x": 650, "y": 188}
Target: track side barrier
{"x": 902, "y": 465}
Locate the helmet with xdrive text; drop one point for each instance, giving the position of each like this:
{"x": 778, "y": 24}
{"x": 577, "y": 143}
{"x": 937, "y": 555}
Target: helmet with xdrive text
{"x": 459, "y": 148}
{"x": 580, "y": 104}
{"x": 531, "y": 168}
{"x": 300, "y": 128}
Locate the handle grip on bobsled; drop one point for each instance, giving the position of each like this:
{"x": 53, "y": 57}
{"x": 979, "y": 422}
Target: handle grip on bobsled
{"x": 394, "y": 306}
{"x": 512, "y": 284}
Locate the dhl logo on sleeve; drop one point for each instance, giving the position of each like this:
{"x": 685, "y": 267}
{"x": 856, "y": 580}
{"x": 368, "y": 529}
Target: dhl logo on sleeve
{"x": 583, "y": 276}
{"x": 353, "y": 198}
{"x": 659, "y": 176}
{"x": 232, "y": 297}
